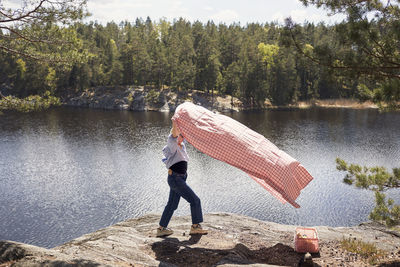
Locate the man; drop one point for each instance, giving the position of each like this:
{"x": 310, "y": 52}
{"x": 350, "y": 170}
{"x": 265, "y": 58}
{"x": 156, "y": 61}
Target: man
{"x": 176, "y": 161}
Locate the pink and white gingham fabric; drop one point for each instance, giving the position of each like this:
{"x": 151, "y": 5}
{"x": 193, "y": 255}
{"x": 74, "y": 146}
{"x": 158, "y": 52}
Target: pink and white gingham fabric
{"x": 226, "y": 139}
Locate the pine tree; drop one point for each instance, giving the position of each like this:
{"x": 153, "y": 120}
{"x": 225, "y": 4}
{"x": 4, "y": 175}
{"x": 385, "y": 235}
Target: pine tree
{"x": 376, "y": 179}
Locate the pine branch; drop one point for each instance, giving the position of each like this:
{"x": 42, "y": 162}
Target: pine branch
{"x": 23, "y": 16}
{"x": 382, "y": 70}
{"x": 17, "y": 52}
{"x": 375, "y": 178}
{"x": 22, "y": 36}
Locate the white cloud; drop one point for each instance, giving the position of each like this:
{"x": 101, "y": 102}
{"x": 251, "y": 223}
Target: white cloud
{"x": 225, "y": 16}
{"x": 302, "y": 15}
{"x": 278, "y": 17}
{"x": 14, "y": 4}
{"x": 299, "y": 15}
{"x": 118, "y": 10}
{"x": 235, "y": 11}
{"x": 177, "y": 10}
{"x": 120, "y": 5}
{"x": 99, "y": 2}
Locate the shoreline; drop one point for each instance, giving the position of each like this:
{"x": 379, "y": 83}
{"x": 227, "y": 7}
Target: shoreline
{"x": 337, "y": 103}
{"x": 141, "y": 99}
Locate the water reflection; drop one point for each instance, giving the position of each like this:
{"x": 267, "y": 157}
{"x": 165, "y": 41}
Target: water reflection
{"x": 67, "y": 172}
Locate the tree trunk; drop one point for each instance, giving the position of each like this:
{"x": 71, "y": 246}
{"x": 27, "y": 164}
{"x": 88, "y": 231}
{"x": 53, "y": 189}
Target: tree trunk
{"x": 212, "y": 97}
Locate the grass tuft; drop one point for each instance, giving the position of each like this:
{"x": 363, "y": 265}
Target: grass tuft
{"x": 369, "y": 252}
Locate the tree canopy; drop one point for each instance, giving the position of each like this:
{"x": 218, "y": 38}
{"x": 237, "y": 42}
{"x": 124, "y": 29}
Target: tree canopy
{"x": 37, "y": 29}
{"x": 249, "y": 62}
{"x": 37, "y": 34}
{"x": 366, "y": 44}
{"x": 254, "y": 62}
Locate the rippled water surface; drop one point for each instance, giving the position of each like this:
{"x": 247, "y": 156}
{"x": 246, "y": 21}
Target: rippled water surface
{"x": 67, "y": 172}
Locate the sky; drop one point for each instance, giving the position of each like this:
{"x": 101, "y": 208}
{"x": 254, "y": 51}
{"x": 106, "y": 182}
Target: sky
{"x": 219, "y": 11}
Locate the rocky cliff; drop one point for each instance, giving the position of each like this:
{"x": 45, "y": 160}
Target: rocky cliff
{"x": 165, "y": 100}
{"x": 233, "y": 240}
{"x": 146, "y": 99}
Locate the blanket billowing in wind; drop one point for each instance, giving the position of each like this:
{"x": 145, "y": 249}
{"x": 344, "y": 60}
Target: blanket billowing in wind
{"x": 226, "y": 139}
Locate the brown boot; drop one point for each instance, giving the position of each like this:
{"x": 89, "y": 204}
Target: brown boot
{"x": 196, "y": 229}
{"x": 163, "y": 231}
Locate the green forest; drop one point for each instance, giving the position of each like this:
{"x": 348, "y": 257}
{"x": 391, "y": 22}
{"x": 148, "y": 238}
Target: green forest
{"x": 48, "y": 51}
{"x": 254, "y": 62}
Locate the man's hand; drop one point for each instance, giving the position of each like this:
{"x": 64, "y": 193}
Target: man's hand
{"x": 175, "y": 131}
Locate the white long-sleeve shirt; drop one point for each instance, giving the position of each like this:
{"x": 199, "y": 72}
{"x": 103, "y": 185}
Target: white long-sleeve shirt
{"x": 174, "y": 153}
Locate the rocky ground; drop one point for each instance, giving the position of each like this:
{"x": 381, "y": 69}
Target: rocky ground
{"x": 233, "y": 240}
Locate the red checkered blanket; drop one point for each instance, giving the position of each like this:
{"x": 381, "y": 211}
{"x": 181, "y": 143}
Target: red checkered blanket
{"x": 226, "y": 139}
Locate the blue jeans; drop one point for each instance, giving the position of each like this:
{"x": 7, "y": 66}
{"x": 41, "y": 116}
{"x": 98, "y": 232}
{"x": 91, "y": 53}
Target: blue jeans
{"x": 178, "y": 189}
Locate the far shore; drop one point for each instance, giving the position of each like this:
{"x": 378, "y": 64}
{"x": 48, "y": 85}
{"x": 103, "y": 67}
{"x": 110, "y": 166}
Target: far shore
{"x": 166, "y": 100}
{"x": 334, "y": 103}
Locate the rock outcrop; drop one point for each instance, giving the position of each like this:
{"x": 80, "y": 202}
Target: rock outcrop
{"x": 233, "y": 240}
{"x": 141, "y": 99}
{"x": 166, "y": 100}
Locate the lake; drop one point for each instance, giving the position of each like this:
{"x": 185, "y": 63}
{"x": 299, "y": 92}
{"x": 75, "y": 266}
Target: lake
{"x": 66, "y": 172}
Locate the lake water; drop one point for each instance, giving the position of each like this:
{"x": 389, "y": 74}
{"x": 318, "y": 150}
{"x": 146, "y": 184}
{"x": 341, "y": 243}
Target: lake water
{"x": 66, "y": 172}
